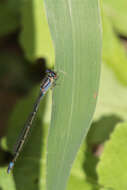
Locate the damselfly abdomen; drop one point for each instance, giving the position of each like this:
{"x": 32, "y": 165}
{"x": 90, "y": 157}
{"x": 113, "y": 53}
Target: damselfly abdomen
{"x": 46, "y": 84}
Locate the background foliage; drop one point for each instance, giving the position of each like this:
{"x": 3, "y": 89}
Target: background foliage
{"x": 101, "y": 162}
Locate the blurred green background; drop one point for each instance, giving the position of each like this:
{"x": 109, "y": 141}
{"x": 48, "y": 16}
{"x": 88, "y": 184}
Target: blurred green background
{"x": 26, "y": 51}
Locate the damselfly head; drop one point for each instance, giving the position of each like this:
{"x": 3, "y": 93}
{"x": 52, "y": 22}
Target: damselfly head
{"x": 51, "y": 73}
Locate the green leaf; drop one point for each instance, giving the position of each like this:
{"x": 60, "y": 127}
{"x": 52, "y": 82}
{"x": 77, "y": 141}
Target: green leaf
{"x": 112, "y": 168}
{"x": 75, "y": 28}
{"x": 35, "y": 37}
{"x": 79, "y": 178}
{"x": 106, "y": 188}
{"x": 6, "y": 181}
{"x": 117, "y": 13}
{"x": 9, "y": 16}
{"x": 112, "y": 96}
{"x": 77, "y": 183}
{"x": 90, "y": 163}
{"x": 114, "y": 53}
{"x": 101, "y": 129}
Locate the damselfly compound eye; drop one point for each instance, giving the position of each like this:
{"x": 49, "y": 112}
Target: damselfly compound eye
{"x": 51, "y": 73}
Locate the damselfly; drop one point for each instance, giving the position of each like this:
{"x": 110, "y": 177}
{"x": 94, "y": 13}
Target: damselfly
{"x": 47, "y": 83}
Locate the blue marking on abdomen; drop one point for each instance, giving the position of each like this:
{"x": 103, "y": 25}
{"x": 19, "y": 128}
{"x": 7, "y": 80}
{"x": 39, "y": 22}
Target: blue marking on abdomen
{"x": 11, "y": 164}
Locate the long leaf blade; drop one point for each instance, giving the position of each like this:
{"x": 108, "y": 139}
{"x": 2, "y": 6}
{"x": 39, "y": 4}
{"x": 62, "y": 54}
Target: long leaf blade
{"x": 75, "y": 29}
